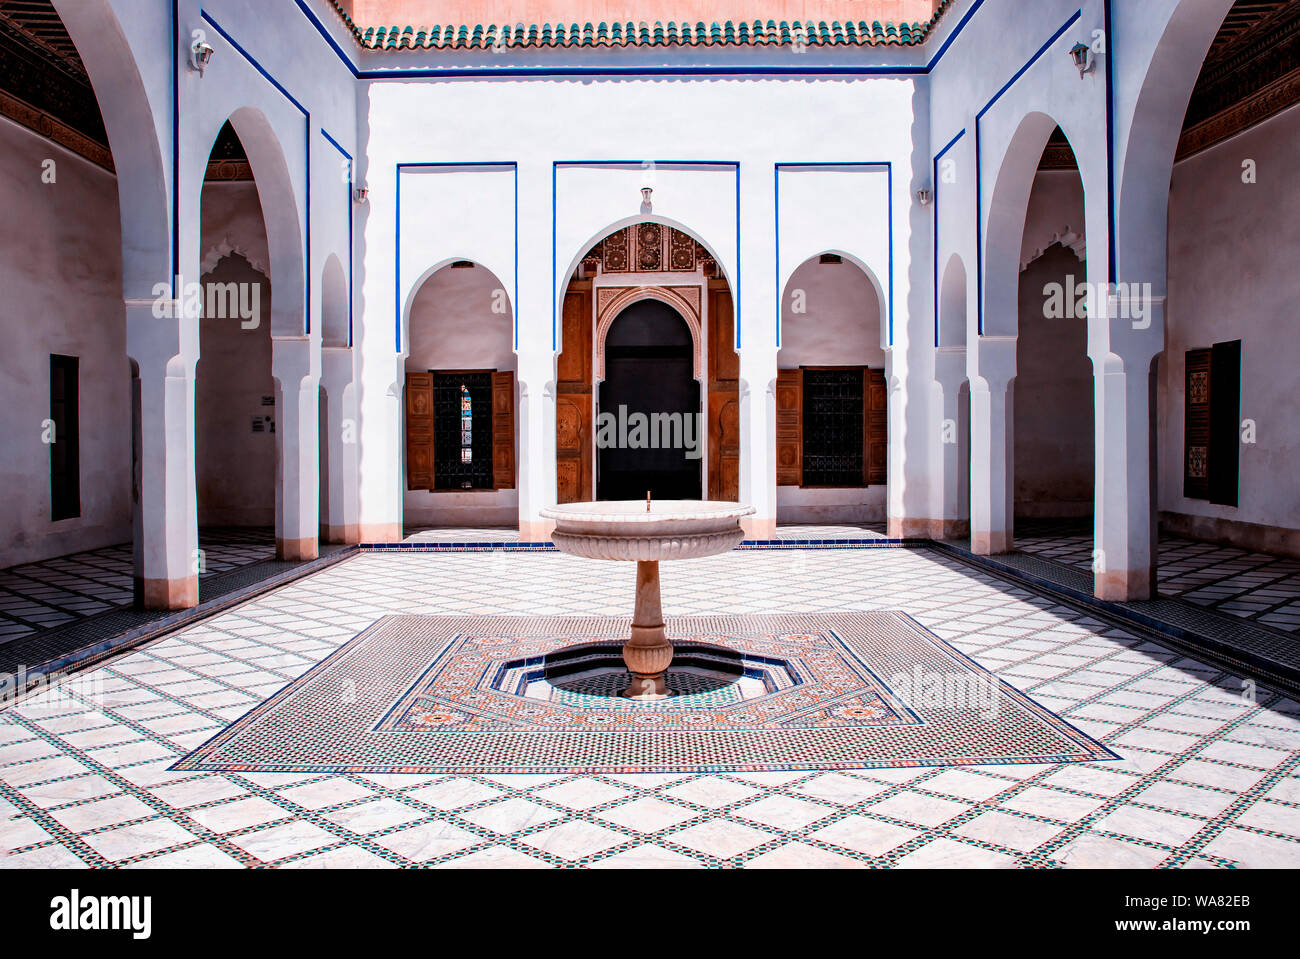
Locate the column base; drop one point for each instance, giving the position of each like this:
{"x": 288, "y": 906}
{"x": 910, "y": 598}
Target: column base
{"x": 910, "y": 527}
{"x": 949, "y": 529}
{"x": 536, "y": 532}
{"x": 756, "y": 528}
{"x": 348, "y": 535}
{"x": 379, "y": 533}
{"x": 297, "y": 550}
{"x": 990, "y": 542}
{"x": 170, "y": 593}
{"x": 1123, "y": 586}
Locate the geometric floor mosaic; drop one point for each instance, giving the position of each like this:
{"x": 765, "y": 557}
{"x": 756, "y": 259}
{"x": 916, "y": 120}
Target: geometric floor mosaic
{"x": 421, "y": 694}
{"x": 1209, "y": 774}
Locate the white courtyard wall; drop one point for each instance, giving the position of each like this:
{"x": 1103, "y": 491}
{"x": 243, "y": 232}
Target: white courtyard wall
{"x": 1232, "y": 275}
{"x": 61, "y": 273}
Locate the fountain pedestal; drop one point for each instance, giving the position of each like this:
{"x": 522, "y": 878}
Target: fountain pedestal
{"x": 647, "y": 533}
{"x": 648, "y": 653}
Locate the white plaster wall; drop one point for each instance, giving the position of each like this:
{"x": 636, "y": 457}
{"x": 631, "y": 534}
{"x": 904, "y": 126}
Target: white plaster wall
{"x": 753, "y": 122}
{"x": 452, "y": 327}
{"x": 61, "y": 276}
{"x": 1232, "y": 275}
{"x": 842, "y": 327}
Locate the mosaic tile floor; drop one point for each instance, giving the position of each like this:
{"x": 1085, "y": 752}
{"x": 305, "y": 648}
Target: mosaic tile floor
{"x": 440, "y": 694}
{"x": 55, "y": 592}
{"x": 1207, "y": 777}
{"x": 1253, "y": 586}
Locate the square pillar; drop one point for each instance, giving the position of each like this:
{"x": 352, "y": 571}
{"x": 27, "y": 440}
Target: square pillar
{"x": 167, "y": 558}
{"x": 993, "y": 367}
{"x": 297, "y": 472}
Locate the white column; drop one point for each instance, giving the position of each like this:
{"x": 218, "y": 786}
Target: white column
{"x": 341, "y": 451}
{"x": 535, "y": 351}
{"x": 166, "y": 351}
{"x": 535, "y": 468}
{"x": 992, "y": 367}
{"x": 1123, "y": 547}
{"x": 757, "y": 307}
{"x": 948, "y": 441}
{"x": 297, "y": 506}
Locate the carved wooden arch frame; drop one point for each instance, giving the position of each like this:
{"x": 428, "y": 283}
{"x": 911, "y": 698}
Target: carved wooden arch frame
{"x": 613, "y": 300}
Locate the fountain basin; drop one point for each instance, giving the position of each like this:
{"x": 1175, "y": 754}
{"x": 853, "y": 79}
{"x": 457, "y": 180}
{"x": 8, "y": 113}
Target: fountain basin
{"x": 647, "y": 533}
{"x": 624, "y": 530}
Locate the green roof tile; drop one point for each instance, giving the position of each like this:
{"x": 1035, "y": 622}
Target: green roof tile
{"x": 644, "y": 34}
{"x": 620, "y": 34}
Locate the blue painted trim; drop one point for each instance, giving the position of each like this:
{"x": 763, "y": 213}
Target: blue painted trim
{"x": 776, "y": 224}
{"x": 889, "y": 200}
{"x": 251, "y": 59}
{"x": 307, "y": 137}
{"x": 348, "y": 156}
{"x": 979, "y": 198}
{"x": 397, "y": 238}
{"x": 934, "y": 179}
{"x": 555, "y": 292}
{"x": 321, "y": 29}
{"x": 952, "y": 37}
{"x": 554, "y": 298}
{"x": 1112, "y": 266}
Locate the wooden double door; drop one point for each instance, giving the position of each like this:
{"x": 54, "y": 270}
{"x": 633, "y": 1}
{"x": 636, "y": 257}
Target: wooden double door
{"x": 575, "y": 425}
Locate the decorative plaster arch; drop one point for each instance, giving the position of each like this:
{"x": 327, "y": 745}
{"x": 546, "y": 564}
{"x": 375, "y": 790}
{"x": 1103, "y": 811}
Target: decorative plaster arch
{"x": 1145, "y": 169}
{"x": 1004, "y": 222}
{"x": 684, "y": 300}
{"x": 285, "y": 241}
{"x": 562, "y": 279}
{"x": 228, "y": 245}
{"x": 1073, "y": 240}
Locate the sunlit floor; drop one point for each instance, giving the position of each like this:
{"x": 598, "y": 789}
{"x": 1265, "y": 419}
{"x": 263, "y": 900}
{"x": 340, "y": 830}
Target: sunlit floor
{"x": 1207, "y": 777}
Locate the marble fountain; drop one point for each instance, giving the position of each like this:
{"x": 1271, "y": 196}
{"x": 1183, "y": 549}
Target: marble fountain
{"x": 647, "y": 533}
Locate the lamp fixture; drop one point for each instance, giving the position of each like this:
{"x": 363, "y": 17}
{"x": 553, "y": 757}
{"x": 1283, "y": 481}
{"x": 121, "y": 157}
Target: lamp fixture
{"x": 361, "y": 194}
{"x": 924, "y": 196}
{"x": 200, "y": 55}
{"x": 1083, "y": 59}
{"x": 645, "y": 193}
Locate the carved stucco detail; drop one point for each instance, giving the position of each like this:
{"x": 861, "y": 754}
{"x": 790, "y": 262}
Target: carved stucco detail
{"x": 613, "y": 300}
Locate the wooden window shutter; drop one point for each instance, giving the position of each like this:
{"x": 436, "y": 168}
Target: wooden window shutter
{"x": 875, "y": 428}
{"x": 503, "y": 430}
{"x": 1225, "y": 422}
{"x": 419, "y": 431}
{"x": 1196, "y": 426}
{"x": 789, "y": 427}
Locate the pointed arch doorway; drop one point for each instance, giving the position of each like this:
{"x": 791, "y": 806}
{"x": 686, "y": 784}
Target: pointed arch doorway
{"x": 648, "y": 422}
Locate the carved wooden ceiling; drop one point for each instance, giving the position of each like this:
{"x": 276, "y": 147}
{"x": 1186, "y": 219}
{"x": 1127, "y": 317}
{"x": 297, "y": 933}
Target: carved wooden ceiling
{"x": 647, "y": 248}
{"x": 1251, "y": 72}
{"x": 44, "y": 86}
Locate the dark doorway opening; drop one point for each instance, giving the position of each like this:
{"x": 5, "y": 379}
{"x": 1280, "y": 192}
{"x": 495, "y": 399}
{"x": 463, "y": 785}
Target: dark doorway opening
{"x": 648, "y": 431}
